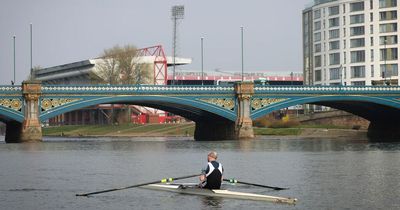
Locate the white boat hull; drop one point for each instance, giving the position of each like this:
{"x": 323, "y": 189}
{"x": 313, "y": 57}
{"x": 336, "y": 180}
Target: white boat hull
{"x": 219, "y": 193}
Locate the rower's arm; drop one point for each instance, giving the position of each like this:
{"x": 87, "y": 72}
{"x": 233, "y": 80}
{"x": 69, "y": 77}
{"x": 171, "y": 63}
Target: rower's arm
{"x": 203, "y": 173}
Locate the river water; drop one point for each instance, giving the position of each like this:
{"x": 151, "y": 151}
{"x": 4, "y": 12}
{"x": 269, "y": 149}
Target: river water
{"x": 322, "y": 174}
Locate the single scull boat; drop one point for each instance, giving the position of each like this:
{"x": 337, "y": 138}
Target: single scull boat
{"x": 193, "y": 190}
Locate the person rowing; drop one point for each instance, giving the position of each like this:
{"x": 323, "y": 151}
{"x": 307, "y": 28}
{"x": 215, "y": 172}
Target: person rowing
{"x": 212, "y": 175}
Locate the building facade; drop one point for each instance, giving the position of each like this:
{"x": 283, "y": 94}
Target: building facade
{"x": 351, "y": 42}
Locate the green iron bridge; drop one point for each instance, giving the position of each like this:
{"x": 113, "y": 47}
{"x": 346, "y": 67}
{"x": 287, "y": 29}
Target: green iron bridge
{"x": 220, "y": 112}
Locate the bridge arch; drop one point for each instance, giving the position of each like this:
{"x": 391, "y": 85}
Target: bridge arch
{"x": 7, "y": 115}
{"x": 363, "y": 106}
{"x": 13, "y": 121}
{"x": 192, "y": 109}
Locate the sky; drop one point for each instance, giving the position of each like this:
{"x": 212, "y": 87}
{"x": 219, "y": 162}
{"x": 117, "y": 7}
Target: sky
{"x": 66, "y": 31}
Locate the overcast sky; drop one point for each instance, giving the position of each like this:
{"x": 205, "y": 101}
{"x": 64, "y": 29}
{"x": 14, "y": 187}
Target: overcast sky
{"x": 73, "y": 30}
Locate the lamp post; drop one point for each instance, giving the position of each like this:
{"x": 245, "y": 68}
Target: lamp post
{"x": 241, "y": 30}
{"x": 32, "y": 76}
{"x": 202, "y": 62}
{"x": 13, "y": 82}
{"x": 291, "y": 78}
{"x": 384, "y": 74}
{"x": 341, "y": 74}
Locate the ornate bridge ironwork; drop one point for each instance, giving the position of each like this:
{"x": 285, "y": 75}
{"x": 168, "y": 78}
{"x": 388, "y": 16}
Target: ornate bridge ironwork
{"x": 202, "y": 104}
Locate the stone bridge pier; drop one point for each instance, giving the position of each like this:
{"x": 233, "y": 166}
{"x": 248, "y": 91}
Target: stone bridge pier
{"x": 222, "y": 129}
{"x": 30, "y": 130}
{"x": 244, "y": 124}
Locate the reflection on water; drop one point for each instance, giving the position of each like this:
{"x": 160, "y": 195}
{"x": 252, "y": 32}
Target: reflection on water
{"x": 212, "y": 202}
{"x": 322, "y": 174}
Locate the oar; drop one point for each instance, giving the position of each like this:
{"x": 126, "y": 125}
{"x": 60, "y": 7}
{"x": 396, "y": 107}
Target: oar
{"x": 253, "y": 184}
{"x": 139, "y": 185}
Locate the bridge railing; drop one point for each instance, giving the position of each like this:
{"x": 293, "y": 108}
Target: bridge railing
{"x": 217, "y": 89}
{"x": 10, "y": 89}
{"x": 260, "y": 89}
{"x": 135, "y": 89}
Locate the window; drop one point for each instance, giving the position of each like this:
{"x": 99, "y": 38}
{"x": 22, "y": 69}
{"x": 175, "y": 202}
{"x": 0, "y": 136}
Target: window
{"x": 354, "y": 19}
{"x": 371, "y": 4}
{"x": 387, "y": 3}
{"x": 391, "y": 70}
{"x": 372, "y": 71}
{"x": 334, "y": 73}
{"x": 317, "y": 14}
{"x": 389, "y": 27}
{"x": 334, "y": 58}
{"x": 344, "y": 44}
{"x": 318, "y": 75}
{"x": 389, "y": 54}
{"x": 371, "y": 29}
{"x": 317, "y": 48}
{"x": 372, "y": 41}
{"x": 333, "y": 22}
{"x": 317, "y": 26}
{"x": 371, "y": 17}
{"x": 344, "y": 57}
{"x": 357, "y": 42}
{"x": 358, "y": 6}
{"x": 389, "y": 40}
{"x": 355, "y": 31}
{"x": 358, "y": 56}
{"x": 388, "y": 15}
{"x": 358, "y": 83}
{"x": 372, "y": 55}
{"x": 335, "y": 45}
{"x": 357, "y": 71}
{"x": 333, "y": 10}
{"x": 333, "y": 34}
{"x": 317, "y": 37}
{"x": 317, "y": 61}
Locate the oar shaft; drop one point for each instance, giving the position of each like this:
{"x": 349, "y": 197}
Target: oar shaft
{"x": 138, "y": 185}
{"x": 253, "y": 184}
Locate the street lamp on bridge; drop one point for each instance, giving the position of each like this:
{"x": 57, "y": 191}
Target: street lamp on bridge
{"x": 384, "y": 73}
{"x": 241, "y": 37}
{"x": 13, "y": 81}
{"x": 202, "y": 62}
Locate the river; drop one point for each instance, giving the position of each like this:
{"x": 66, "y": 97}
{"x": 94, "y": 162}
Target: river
{"x": 322, "y": 174}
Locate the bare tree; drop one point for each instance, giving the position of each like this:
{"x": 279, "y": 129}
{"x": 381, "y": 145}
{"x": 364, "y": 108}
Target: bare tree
{"x": 108, "y": 66}
{"x": 121, "y": 65}
{"x": 34, "y": 69}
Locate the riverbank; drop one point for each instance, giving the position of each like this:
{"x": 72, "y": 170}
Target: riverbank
{"x": 187, "y": 129}
{"x": 182, "y": 129}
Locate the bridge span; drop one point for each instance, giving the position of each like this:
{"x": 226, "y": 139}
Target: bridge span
{"x": 220, "y": 112}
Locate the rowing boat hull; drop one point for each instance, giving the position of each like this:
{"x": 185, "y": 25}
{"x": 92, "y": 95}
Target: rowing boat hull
{"x": 219, "y": 193}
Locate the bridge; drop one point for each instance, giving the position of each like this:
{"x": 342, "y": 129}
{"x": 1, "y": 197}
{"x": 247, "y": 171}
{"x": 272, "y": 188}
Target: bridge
{"x": 220, "y": 112}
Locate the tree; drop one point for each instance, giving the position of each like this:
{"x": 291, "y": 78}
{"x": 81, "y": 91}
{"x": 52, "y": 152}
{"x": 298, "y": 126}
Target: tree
{"x": 34, "y": 69}
{"x": 120, "y": 65}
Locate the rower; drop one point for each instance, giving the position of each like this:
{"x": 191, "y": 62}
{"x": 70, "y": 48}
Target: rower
{"x": 211, "y": 175}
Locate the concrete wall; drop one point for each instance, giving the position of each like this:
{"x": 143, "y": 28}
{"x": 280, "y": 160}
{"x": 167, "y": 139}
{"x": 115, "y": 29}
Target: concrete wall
{"x": 334, "y": 118}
